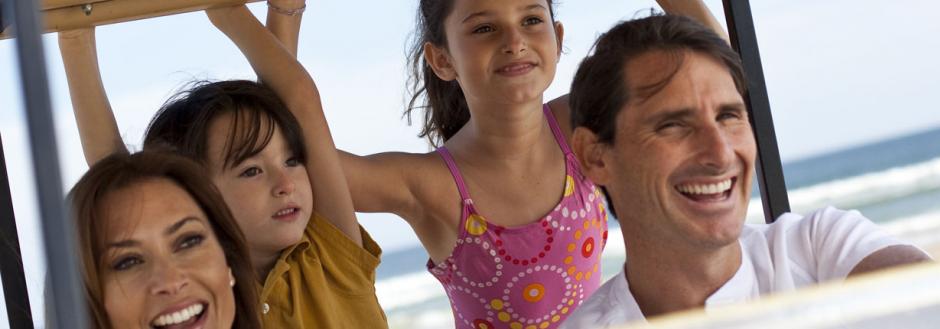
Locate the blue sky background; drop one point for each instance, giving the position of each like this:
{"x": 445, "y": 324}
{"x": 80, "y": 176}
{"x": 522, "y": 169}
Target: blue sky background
{"x": 839, "y": 73}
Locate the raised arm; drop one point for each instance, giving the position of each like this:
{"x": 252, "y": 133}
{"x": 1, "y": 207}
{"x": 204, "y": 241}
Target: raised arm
{"x": 375, "y": 182}
{"x": 283, "y": 21}
{"x": 96, "y": 125}
{"x": 383, "y": 183}
{"x": 697, "y": 10}
{"x": 280, "y": 71}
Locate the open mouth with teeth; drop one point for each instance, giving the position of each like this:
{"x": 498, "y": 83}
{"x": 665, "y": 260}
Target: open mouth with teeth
{"x": 717, "y": 191}
{"x": 516, "y": 69}
{"x": 286, "y": 213}
{"x": 190, "y": 317}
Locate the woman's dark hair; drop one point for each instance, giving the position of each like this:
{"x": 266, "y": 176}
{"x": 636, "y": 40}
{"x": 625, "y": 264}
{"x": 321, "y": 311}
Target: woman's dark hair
{"x": 182, "y": 123}
{"x": 599, "y": 90}
{"x": 444, "y": 104}
{"x": 122, "y": 170}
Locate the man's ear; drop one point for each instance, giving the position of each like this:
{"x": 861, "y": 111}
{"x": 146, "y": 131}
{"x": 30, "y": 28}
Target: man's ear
{"x": 440, "y": 61}
{"x": 592, "y": 155}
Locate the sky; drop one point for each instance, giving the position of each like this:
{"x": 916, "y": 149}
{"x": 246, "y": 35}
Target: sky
{"x": 839, "y": 73}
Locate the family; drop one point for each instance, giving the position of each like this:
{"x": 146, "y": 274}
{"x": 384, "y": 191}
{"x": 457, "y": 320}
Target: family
{"x": 240, "y": 212}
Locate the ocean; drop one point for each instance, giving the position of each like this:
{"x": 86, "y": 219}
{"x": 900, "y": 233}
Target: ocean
{"x": 894, "y": 181}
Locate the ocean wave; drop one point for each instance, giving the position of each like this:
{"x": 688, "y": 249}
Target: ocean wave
{"x": 862, "y": 190}
{"x": 408, "y": 290}
{"x": 923, "y": 230}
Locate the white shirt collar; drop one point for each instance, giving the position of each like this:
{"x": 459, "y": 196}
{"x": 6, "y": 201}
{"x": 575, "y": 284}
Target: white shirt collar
{"x": 741, "y": 287}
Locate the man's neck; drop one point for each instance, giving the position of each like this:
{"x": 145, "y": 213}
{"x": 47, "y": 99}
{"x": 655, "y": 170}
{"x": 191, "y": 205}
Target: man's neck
{"x": 671, "y": 278}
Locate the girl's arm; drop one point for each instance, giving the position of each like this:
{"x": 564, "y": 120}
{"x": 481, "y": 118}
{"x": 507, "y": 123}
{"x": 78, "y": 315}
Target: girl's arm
{"x": 697, "y": 10}
{"x": 383, "y": 182}
{"x": 96, "y": 125}
{"x": 375, "y": 182}
{"x": 283, "y": 21}
{"x": 290, "y": 81}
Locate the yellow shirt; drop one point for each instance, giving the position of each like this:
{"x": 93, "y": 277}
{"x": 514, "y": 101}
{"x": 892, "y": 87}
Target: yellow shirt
{"x": 324, "y": 281}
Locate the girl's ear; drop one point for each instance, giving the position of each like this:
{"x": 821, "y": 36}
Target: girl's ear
{"x": 559, "y": 36}
{"x": 440, "y": 61}
{"x": 592, "y": 154}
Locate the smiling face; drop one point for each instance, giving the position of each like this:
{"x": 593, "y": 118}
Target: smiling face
{"x": 681, "y": 164}
{"x": 498, "y": 50}
{"x": 162, "y": 265}
{"x": 269, "y": 193}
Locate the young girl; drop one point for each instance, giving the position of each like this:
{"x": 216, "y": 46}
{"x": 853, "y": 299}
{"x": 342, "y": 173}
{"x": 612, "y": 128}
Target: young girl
{"x": 513, "y": 229}
{"x": 159, "y": 247}
{"x": 316, "y": 264}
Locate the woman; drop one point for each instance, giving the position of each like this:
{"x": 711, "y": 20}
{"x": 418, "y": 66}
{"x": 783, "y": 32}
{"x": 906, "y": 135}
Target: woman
{"x": 159, "y": 247}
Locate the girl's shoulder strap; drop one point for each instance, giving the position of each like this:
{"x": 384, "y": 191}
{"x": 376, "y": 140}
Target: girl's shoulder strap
{"x": 556, "y": 129}
{"x": 455, "y": 172}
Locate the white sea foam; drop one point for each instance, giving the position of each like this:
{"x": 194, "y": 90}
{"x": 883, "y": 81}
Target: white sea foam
{"x": 923, "y": 230}
{"x": 858, "y": 191}
{"x": 429, "y": 319}
{"x": 402, "y": 297}
{"x": 408, "y": 290}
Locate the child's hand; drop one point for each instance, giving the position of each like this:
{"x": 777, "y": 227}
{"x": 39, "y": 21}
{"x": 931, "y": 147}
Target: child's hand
{"x": 676, "y": 7}
{"x": 84, "y": 34}
{"x": 287, "y": 5}
{"x": 77, "y": 42}
{"x": 220, "y": 16}
{"x": 283, "y": 21}
{"x": 697, "y": 10}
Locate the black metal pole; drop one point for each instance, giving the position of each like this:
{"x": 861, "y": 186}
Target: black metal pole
{"x": 11, "y": 260}
{"x": 773, "y": 188}
{"x": 58, "y": 231}
{"x": 5, "y": 19}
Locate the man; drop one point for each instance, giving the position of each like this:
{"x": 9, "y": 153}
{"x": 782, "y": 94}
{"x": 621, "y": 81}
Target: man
{"x": 661, "y": 124}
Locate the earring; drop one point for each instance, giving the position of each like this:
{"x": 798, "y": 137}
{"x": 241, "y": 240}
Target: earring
{"x": 231, "y": 278}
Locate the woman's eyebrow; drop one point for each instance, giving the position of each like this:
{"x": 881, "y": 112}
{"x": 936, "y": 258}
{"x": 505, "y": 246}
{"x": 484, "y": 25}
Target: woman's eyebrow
{"x": 168, "y": 231}
{"x": 176, "y": 227}
{"x": 123, "y": 244}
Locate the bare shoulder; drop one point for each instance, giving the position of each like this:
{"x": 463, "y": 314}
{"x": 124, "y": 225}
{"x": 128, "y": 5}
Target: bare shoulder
{"x": 411, "y": 185}
{"x": 433, "y": 187}
{"x": 562, "y": 112}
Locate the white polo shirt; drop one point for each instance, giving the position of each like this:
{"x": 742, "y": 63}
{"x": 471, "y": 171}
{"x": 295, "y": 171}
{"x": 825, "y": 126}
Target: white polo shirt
{"x": 792, "y": 252}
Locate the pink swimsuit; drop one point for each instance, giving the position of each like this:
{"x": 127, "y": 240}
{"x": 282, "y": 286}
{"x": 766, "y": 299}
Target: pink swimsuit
{"x": 530, "y": 276}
